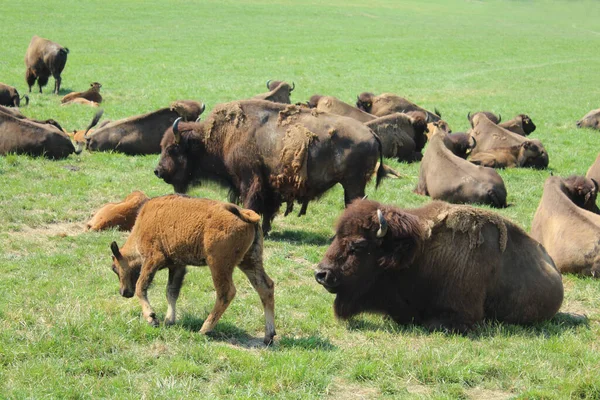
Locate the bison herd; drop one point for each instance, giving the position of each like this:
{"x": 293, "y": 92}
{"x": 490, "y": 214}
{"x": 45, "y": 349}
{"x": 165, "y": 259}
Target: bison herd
{"x": 443, "y": 266}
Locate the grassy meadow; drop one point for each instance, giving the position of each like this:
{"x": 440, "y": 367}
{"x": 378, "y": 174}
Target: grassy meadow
{"x": 66, "y": 333}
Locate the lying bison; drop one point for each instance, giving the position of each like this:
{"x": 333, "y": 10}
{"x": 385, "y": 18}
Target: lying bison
{"x": 521, "y": 125}
{"x": 495, "y": 119}
{"x": 9, "y": 96}
{"x": 24, "y": 136}
{"x": 279, "y": 92}
{"x": 268, "y": 153}
{"x": 174, "y": 231}
{"x": 590, "y": 120}
{"x": 388, "y": 103}
{"x": 445, "y": 176}
{"x": 335, "y": 106}
{"x": 91, "y": 95}
{"x": 42, "y": 59}
{"x": 119, "y": 215}
{"x": 517, "y": 156}
{"x": 441, "y": 266}
{"x": 568, "y": 225}
{"x": 188, "y": 110}
{"x": 402, "y": 136}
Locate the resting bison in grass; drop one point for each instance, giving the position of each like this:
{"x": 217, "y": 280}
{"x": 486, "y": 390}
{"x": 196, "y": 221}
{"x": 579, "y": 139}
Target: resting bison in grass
{"x": 388, "y": 103}
{"x": 174, "y": 231}
{"x": 516, "y": 156}
{"x": 521, "y": 125}
{"x": 268, "y": 153}
{"x": 445, "y": 176}
{"x": 24, "y": 136}
{"x": 568, "y": 225}
{"x": 460, "y": 144}
{"x": 188, "y": 110}
{"x": 42, "y": 59}
{"x": 91, "y": 95}
{"x": 9, "y": 96}
{"x": 402, "y": 136}
{"x": 590, "y": 120}
{"x": 441, "y": 266}
{"x": 490, "y": 115}
{"x": 119, "y": 215}
{"x": 279, "y": 93}
{"x": 335, "y": 106}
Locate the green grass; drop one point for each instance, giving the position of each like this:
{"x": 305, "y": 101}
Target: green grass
{"x": 66, "y": 333}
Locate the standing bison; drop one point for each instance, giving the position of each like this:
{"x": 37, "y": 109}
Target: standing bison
{"x": 268, "y": 153}
{"x": 441, "y": 266}
{"x": 9, "y": 96}
{"x": 42, "y": 59}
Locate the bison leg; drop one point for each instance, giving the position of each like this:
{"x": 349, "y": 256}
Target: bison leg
{"x": 42, "y": 81}
{"x": 252, "y": 266}
{"x": 289, "y": 208}
{"x": 30, "y": 78}
{"x": 176, "y": 275}
{"x": 57, "y": 81}
{"x": 149, "y": 268}
{"x": 303, "y": 209}
{"x": 225, "y": 290}
{"x": 353, "y": 190}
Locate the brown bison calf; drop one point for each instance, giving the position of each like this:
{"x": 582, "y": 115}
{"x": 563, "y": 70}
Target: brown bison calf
{"x": 92, "y": 95}
{"x": 516, "y": 156}
{"x": 590, "y": 120}
{"x": 121, "y": 215}
{"x": 174, "y": 231}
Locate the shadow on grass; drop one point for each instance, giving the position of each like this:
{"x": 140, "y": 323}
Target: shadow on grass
{"x": 560, "y": 323}
{"x": 299, "y": 237}
{"x": 305, "y": 343}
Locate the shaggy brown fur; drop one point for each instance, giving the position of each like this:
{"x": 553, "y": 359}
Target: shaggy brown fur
{"x": 188, "y": 110}
{"x": 279, "y": 94}
{"x": 508, "y": 157}
{"x": 9, "y": 96}
{"x": 91, "y": 95}
{"x": 42, "y": 59}
{"x": 445, "y": 176}
{"x": 590, "y": 120}
{"x": 388, "y": 103}
{"x": 491, "y": 136}
{"x": 402, "y": 136}
{"x": 567, "y": 224}
{"x": 521, "y": 125}
{"x": 441, "y": 266}
{"x": 174, "y": 231}
{"x": 82, "y": 101}
{"x": 121, "y": 215}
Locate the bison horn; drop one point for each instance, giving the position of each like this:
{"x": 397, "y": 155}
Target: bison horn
{"x": 203, "y": 108}
{"x": 176, "y": 132}
{"x": 469, "y": 115}
{"x": 426, "y": 117}
{"x": 383, "y": 226}
{"x": 499, "y": 118}
{"x": 472, "y": 146}
{"x": 95, "y": 120}
{"x": 269, "y": 81}
{"x": 293, "y": 86}
{"x": 437, "y": 112}
{"x": 26, "y": 99}
{"x": 115, "y": 250}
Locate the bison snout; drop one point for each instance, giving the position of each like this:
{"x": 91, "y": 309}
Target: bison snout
{"x": 326, "y": 278}
{"x": 157, "y": 172}
{"x": 126, "y": 293}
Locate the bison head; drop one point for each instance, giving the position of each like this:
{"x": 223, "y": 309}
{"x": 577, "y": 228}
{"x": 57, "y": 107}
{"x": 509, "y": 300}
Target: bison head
{"x": 583, "y": 192}
{"x": 372, "y": 243}
{"x": 526, "y": 123}
{"x": 128, "y": 275}
{"x": 460, "y": 144}
{"x": 173, "y": 166}
{"x": 537, "y": 157}
{"x": 364, "y": 101}
{"x": 590, "y": 120}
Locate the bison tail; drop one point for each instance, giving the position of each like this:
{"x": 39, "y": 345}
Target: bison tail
{"x": 65, "y": 50}
{"x": 26, "y": 99}
{"x": 94, "y": 121}
{"x": 381, "y": 170}
{"x": 247, "y": 216}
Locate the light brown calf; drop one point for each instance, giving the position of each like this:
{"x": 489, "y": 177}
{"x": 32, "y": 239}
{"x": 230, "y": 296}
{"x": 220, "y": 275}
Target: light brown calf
{"x": 121, "y": 215}
{"x": 508, "y": 157}
{"x": 174, "y": 231}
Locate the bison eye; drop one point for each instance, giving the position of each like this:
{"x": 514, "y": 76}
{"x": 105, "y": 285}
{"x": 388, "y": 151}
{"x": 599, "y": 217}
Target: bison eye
{"x": 357, "y": 246}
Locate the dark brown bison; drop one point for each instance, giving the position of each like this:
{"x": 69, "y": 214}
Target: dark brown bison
{"x": 568, "y": 225}
{"x": 92, "y": 94}
{"x": 402, "y": 136}
{"x": 590, "y": 120}
{"x": 460, "y": 144}
{"x": 388, "y": 103}
{"x": 490, "y": 115}
{"x": 188, "y": 110}
{"x": 174, "y": 231}
{"x": 268, "y": 153}
{"x": 9, "y": 96}
{"x": 24, "y": 136}
{"x": 516, "y": 156}
{"x": 278, "y": 94}
{"x": 441, "y": 266}
{"x": 491, "y": 136}
{"x": 445, "y": 176}
{"x": 521, "y": 125}
{"x": 42, "y": 59}
{"x": 15, "y": 112}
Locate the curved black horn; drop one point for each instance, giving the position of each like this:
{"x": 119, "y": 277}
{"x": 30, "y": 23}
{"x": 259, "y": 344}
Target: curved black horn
{"x": 469, "y": 116}
{"x": 383, "y": 226}
{"x": 94, "y": 122}
{"x": 499, "y": 118}
{"x": 269, "y": 81}
{"x": 202, "y": 108}
{"x": 474, "y": 142}
{"x": 176, "y": 132}
{"x": 293, "y": 87}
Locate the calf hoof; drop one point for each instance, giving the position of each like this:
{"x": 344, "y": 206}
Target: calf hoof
{"x": 269, "y": 338}
{"x": 152, "y": 320}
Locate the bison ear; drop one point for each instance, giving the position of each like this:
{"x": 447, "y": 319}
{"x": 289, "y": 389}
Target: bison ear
{"x": 115, "y": 250}
{"x": 400, "y": 235}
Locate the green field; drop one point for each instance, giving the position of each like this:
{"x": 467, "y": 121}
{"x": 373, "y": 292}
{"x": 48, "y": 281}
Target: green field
{"x": 66, "y": 333}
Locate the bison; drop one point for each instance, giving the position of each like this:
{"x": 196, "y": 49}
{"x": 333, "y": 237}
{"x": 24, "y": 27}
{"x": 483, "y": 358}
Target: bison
{"x": 24, "y": 136}
{"x": 567, "y": 223}
{"x": 516, "y": 156}
{"x": 460, "y": 144}
{"x": 440, "y": 266}
{"x": 388, "y": 103}
{"x": 92, "y": 94}
{"x": 490, "y": 115}
{"x": 42, "y": 59}
{"x": 9, "y": 96}
{"x": 590, "y": 120}
{"x": 335, "y": 106}
{"x": 188, "y": 110}
{"x": 521, "y": 125}
{"x": 278, "y": 94}
{"x": 594, "y": 171}
{"x": 121, "y": 215}
{"x": 445, "y": 176}
{"x": 490, "y": 136}
{"x": 268, "y": 153}
{"x": 174, "y": 231}
{"x": 402, "y": 136}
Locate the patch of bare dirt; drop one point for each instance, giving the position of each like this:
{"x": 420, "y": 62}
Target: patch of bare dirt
{"x": 485, "y": 394}
{"x": 61, "y": 229}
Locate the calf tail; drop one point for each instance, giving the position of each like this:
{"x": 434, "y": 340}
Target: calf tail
{"x": 94, "y": 122}
{"x": 247, "y": 216}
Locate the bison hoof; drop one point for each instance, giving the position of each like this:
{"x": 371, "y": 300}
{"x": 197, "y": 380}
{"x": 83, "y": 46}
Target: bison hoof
{"x": 169, "y": 322}
{"x": 269, "y": 339}
{"x": 152, "y": 320}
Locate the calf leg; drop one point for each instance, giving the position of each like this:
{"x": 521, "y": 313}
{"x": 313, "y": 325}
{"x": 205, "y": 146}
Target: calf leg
{"x": 225, "y": 290}
{"x": 176, "y": 275}
{"x": 149, "y": 268}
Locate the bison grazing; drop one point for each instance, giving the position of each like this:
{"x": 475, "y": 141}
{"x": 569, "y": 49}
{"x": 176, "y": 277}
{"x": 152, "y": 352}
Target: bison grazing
{"x": 121, "y": 215}
{"x": 42, "y": 59}
{"x": 9, "y": 96}
{"x": 175, "y": 231}
{"x": 590, "y": 120}
{"x": 445, "y": 176}
{"x": 188, "y": 110}
{"x": 568, "y": 225}
{"x": 278, "y": 94}
{"x": 441, "y": 266}
{"x": 491, "y": 136}
{"x": 516, "y": 156}
{"x": 491, "y": 116}
{"x": 268, "y": 153}
{"x": 24, "y": 136}
{"x": 92, "y": 94}
{"x": 388, "y": 103}
{"x": 521, "y": 125}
